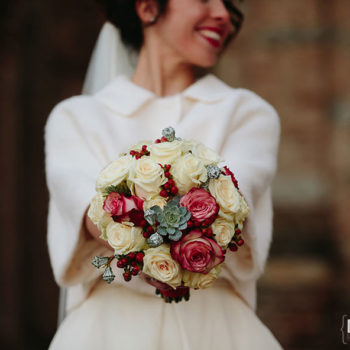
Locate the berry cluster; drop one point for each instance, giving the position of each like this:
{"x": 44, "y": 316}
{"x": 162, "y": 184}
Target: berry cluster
{"x": 169, "y": 188}
{"x": 203, "y": 226}
{"x": 236, "y": 241}
{"x": 148, "y": 231}
{"x": 162, "y": 139}
{"x": 144, "y": 152}
{"x": 132, "y": 264}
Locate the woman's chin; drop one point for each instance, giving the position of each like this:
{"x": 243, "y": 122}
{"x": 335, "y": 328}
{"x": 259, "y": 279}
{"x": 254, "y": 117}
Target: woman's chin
{"x": 205, "y": 61}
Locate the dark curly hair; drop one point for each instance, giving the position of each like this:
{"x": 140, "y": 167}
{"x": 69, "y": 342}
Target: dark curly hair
{"x": 122, "y": 13}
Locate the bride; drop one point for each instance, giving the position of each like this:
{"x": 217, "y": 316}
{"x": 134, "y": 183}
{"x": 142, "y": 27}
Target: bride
{"x": 172, "y": 39}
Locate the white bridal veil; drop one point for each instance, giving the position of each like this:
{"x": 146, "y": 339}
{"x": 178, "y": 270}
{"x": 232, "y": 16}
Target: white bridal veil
{"x": 110, "y": 57}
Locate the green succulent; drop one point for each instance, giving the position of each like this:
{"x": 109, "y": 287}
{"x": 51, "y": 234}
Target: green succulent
{"x": 172, "y": 219}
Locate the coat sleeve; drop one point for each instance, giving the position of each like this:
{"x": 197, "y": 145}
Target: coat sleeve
{"x": 71, "y": 169}
{"x": 250, "y": 151}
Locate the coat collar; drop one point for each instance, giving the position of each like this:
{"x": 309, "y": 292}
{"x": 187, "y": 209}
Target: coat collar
{"x": 125, "y": 97}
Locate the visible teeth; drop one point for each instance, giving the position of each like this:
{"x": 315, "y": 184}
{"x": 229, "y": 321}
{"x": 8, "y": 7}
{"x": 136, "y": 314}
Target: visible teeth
{"x": 210, "y": 34}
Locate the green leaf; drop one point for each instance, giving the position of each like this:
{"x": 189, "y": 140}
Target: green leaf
{"x": 122, "y": 188}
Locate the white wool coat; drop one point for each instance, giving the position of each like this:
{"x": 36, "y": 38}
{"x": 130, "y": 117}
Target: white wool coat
{"x": 85, "y": 133}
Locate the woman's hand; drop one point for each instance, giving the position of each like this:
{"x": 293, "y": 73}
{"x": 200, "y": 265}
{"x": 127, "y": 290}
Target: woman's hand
{"x": 93, "y": 232}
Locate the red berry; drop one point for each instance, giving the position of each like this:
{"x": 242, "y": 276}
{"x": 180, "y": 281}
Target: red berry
{"x": 127, "y": 276}
{"x": 157, "y": 141}
{"x": 120, "y": 264}
{"x": 204, "y": 230}
{"x": 139, "y": 257}
{"x": 144, "y": 148}
{"x": 164, "y": 193}
{"x": 131, "y": 255}
{"x": 189, "y": 224}
{"x": 238, "y": 231}
{"x": 240, "y": 242}
{"x": 132, "y": 153}
{"x": 167, "y": 167}
{"x": 206, "y": 222}
{"x": 133, "y": 263}
{"x": 233, "y": 247}
{"x": 150, "y": 229}
{"x": 174, "y": 190}
{"x": 164, "y": 139}
{"x": 143, "y": 223}
{"x": 145, "y": 234}
{"x": 138, "y": 156}
{"x": 210, "y": 230}
{"x": 125, "y": 261}
{"x": 167, "y": 174}
{"x": 134, "y": 272}
{"x": 171, "y": 182}
{"x": 166, "y": 186}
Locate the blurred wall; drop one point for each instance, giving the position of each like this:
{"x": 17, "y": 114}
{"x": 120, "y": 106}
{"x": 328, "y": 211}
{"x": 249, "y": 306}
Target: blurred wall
{"x": 295, "y": 54}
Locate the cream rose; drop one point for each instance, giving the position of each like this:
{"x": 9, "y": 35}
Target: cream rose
{"x": 188, "y": 171}
{"x": 159, "y": 264}
{"x": 114, "y": 173}
{"x": 147, "y": 176}
{"x": 225, "y": 194}
{"x": 158, "y": 200}
{"x": 201, "y": 280}
{"x": 206, "y": 154}
{"x": 188, "y": 145}
{"x": 96, "y": 213}
{"x": 166, "y": 152}
{"x": 224, "y": 231}
{"x": 124, "y": 237}
{"x": 243, "y": 212}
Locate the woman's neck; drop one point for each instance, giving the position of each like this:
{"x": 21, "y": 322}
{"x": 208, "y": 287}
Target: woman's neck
{"x": 162, "y": 72}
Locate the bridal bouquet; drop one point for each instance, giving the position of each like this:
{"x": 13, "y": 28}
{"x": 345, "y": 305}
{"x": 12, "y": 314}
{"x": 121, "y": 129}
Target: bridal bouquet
{"x": 170, "y": 213}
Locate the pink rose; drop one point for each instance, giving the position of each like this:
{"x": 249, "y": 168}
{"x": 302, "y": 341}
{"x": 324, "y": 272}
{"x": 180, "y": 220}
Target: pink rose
{"x": 196, "y": 252}
{"x": 201, "y": 204}
{"x": 123, "y": 208}
{"x": 228, "y": 172}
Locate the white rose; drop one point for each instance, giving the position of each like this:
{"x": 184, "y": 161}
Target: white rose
{"x": 201, "y": 280}
{"x": 158, "y": 200}
{"x": 224, "y": 231}
{"x": 159, "y": 264}
{"x": 225, "y": 194}
{"x": 125, "y": 238}
{"x": 206, "y": 154}
{"x": 188, "y": 171}
{"x": 166, "y": 152}
{"x": 147, "y": 176}
{"x": 114, "y": 173}
{"x": 96, "y": 213}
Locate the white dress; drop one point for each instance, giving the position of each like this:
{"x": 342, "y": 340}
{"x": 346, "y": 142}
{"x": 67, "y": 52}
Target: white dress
{"x": 82, "y": 135}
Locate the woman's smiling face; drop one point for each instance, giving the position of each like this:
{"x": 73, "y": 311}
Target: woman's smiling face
{"x": 195, "y": 30}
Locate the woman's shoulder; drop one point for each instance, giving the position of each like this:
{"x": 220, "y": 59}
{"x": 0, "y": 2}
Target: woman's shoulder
{"x": 242, "y": 96}
{"x": 245, "y": 103}
{"x": 73, "y": 109}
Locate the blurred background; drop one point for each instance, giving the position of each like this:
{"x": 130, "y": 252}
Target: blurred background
{"x": 295, "y": 54}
